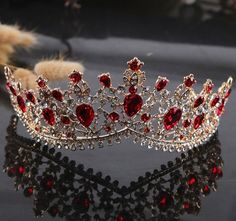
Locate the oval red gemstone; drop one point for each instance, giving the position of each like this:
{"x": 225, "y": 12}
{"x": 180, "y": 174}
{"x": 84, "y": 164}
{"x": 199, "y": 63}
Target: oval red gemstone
{"x": 132, "y": 89}
{"x": 30, "y": 97}
{"x": 198, "y": 101}
{"x": 189, "y": 81}
{"x": 105, "y": 80}
{"x": 192, "y": 180}
{"x": 49, "y": 116}
{"x": 228, "y": 93}
{"x": 21, "y": 169}
{"x": 172, "y": 118}
{"x": 161, "y": 84}
{"x": 132, "y": 104}
{"x": 209, "y": 88}
{"x": 164, "y": 201}
{"x": 220, "y": 109}
{"x": 198, "y": 121}
{"x": 85, "y": 114}
{"x": 206, "y": 189}
{"x": 215, "y": 101}
{"x": 186, "y": 205}
{"x": 121, "y": 218}
{"x": 114, "y": 116}
{"x": 75, "y": 77}
{"x": 11, "y": 88}
{"x": 145, "y": 117}
{"x": 21, "y": 103}
{"x": 65, "y": 120}
{"x": 41, "y": 83}
{"x": 57, "y": 95}
{"x": 186, "y": 123}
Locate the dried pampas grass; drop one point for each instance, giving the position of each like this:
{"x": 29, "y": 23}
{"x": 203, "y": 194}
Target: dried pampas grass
{"x": 57, "y": 69}
{"x": 14, "y": 36}
{"x": 26, "y": 77}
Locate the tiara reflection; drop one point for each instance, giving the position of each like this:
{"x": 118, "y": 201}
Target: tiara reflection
{"x": 60, "y": 187}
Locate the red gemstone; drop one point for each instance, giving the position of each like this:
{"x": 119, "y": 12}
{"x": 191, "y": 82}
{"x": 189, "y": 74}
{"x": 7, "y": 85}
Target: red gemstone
{"x": 114, "y": 116}
{"x": 186, "y": 123}
{"x": 164, "y": 201}
{"x": 75, "y": 77}
{"x": 189, "y": 81}
{"x": 145, "y": 117}
{"x": 21, "y": 103}
{"x": 198, "y": 121}
{"x": 107, "y": 128}
{"x": 172, "y": 118}
{"x": 206, "y": 189}
{"x": 186, "y": 205}
{"x": 48, "y": 182}
{"x": 21, "y": 169}
{"x": 161, "y": 84}
{"x": 121, "y": 218}
{"x": 65, "y": 120}
{"x": 215, "y": 101}
{"x": 30, "y": 191}
{"x": 132, "y": 89}
{"x": 132, "y": 104}
{"x": 57, "y": 95}
{"x": 135, "y": 64}
{"x": 30, "y": 97}
{"x": 85, "y": 114}
{"x": 11, "y": 88}
{"x": 146, "y": 130}
{"x": 49, "y": 116}
{"x": 198, "y": 101}
{"x": 220, "y": 109}
{"x": 228, "y": 93}
{"x": 191, "y": 180}
{"x": 209, "y": 88}
{"x": 82, "y": 201}
{"x": 41, "y": 83}
{"x": 105, "y": 80}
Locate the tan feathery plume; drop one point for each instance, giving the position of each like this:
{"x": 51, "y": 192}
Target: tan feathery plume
{"x": 5, "y": 52}
{"x": 57, "y": 69}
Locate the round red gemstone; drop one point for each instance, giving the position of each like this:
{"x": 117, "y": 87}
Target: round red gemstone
{"x": 198, "y": 101}
{"x": 65, "y": 120}
{"x": 198, "y": 121}
{"x": 121, "y": 218}
{"x": 114, "y": 116}
{"x": 21, "y": 169}
{"x": 189, "y": 81}
{"x": 132, "y": 89}
{"x": 220, "y": 109}
{"x": 172, "y": 118}
{"x": 186, "y": 123}
{"x": 215, "y": 101}
{"x": 49, "y": 116}
{"x": 85, "y": 114}
{"x": 132, "y": 104}
{"x": 206, "y": 189}
{"x": 30, "y": 97}
{"x": 57, "y": 95}
{"x": 41, "y": 83}
{"x": 105, "y": 80}
{"x": 21, "y": 103}
{"x": 145, "y": 117}
{"x": 30, "y": 190}
{"x": 228, "y": 93}
{"x": 192, "y": 180}
{"x": 75, "y": 77}
{"x": 161, "y": 84}
{"x": 11, "y": 88}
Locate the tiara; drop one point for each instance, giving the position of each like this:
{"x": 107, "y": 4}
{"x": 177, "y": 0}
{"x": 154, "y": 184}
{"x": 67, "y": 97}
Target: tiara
{"x": 62, "y": 188}
{"x": 153, "y": 116}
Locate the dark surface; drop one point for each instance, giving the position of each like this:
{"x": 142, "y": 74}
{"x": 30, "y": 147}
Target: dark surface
{"x": 105, "y": 44}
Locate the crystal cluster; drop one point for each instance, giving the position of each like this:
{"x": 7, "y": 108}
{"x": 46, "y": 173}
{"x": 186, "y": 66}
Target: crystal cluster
{"x": 153, "y": 116}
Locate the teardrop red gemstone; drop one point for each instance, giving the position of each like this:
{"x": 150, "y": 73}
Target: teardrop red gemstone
{"x": 186, "y": 123}
{"x": 11, "y": 88}
{"x": 65, "y": 120}
{"x": 49, "y": 116}
{"x": 57, "y": 95}
{"x": 215, "y": 101}
{"x": 85, "y": 114}
{"x": 135, "y": 64}
{"x": 198, "y": 121}
{"x": 172, "y": 118}
{"x": 21, "y": 103}
{"x": 161, "y": 84}
{"x": 198, "y": 101}
{"x": 114, "y": 116}
{"x": 75, "y": 77}
{"x": 30, "y": 97}
{"x": 189, "y": 81}
{"x": 105, "y": 80}
{"x": 132, "y": 104}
